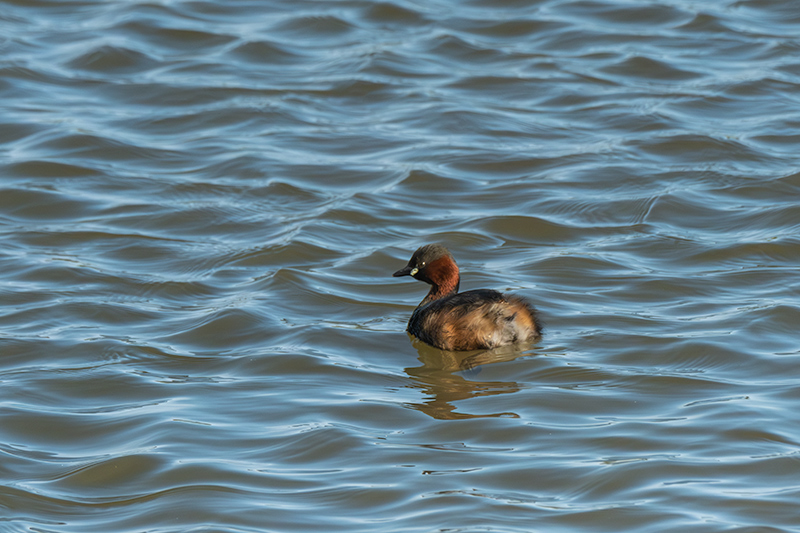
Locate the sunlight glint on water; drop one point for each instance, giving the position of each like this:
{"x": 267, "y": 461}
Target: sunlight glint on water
{"x": 202, "y": 204}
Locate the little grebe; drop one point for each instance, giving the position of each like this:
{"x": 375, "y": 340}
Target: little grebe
{"x": 472, "y": 320}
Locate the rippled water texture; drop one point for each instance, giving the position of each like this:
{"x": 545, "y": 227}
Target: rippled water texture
{"x": 202, "y": 203}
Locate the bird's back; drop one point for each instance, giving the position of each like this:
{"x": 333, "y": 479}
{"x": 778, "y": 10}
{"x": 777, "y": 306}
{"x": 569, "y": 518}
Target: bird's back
{"x": 475, "y": 320}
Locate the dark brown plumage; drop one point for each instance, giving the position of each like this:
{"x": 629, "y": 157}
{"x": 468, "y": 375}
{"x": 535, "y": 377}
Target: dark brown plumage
{"x": 470, "y": 320}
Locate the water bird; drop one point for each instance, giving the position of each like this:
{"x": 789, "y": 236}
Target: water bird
{"x": 480, "y": 319}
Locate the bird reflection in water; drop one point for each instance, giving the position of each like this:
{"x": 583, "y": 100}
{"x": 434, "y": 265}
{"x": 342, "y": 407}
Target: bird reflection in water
{"x": 448, "y": 377}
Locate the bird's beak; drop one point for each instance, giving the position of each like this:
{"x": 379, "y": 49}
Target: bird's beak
{"x": 407, "y": 270}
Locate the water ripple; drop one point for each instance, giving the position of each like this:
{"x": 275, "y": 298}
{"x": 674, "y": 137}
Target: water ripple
{"x": 202, "y": 204}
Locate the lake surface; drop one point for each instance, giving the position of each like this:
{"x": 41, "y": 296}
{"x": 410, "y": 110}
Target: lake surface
{"x": 202, "y": 204}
